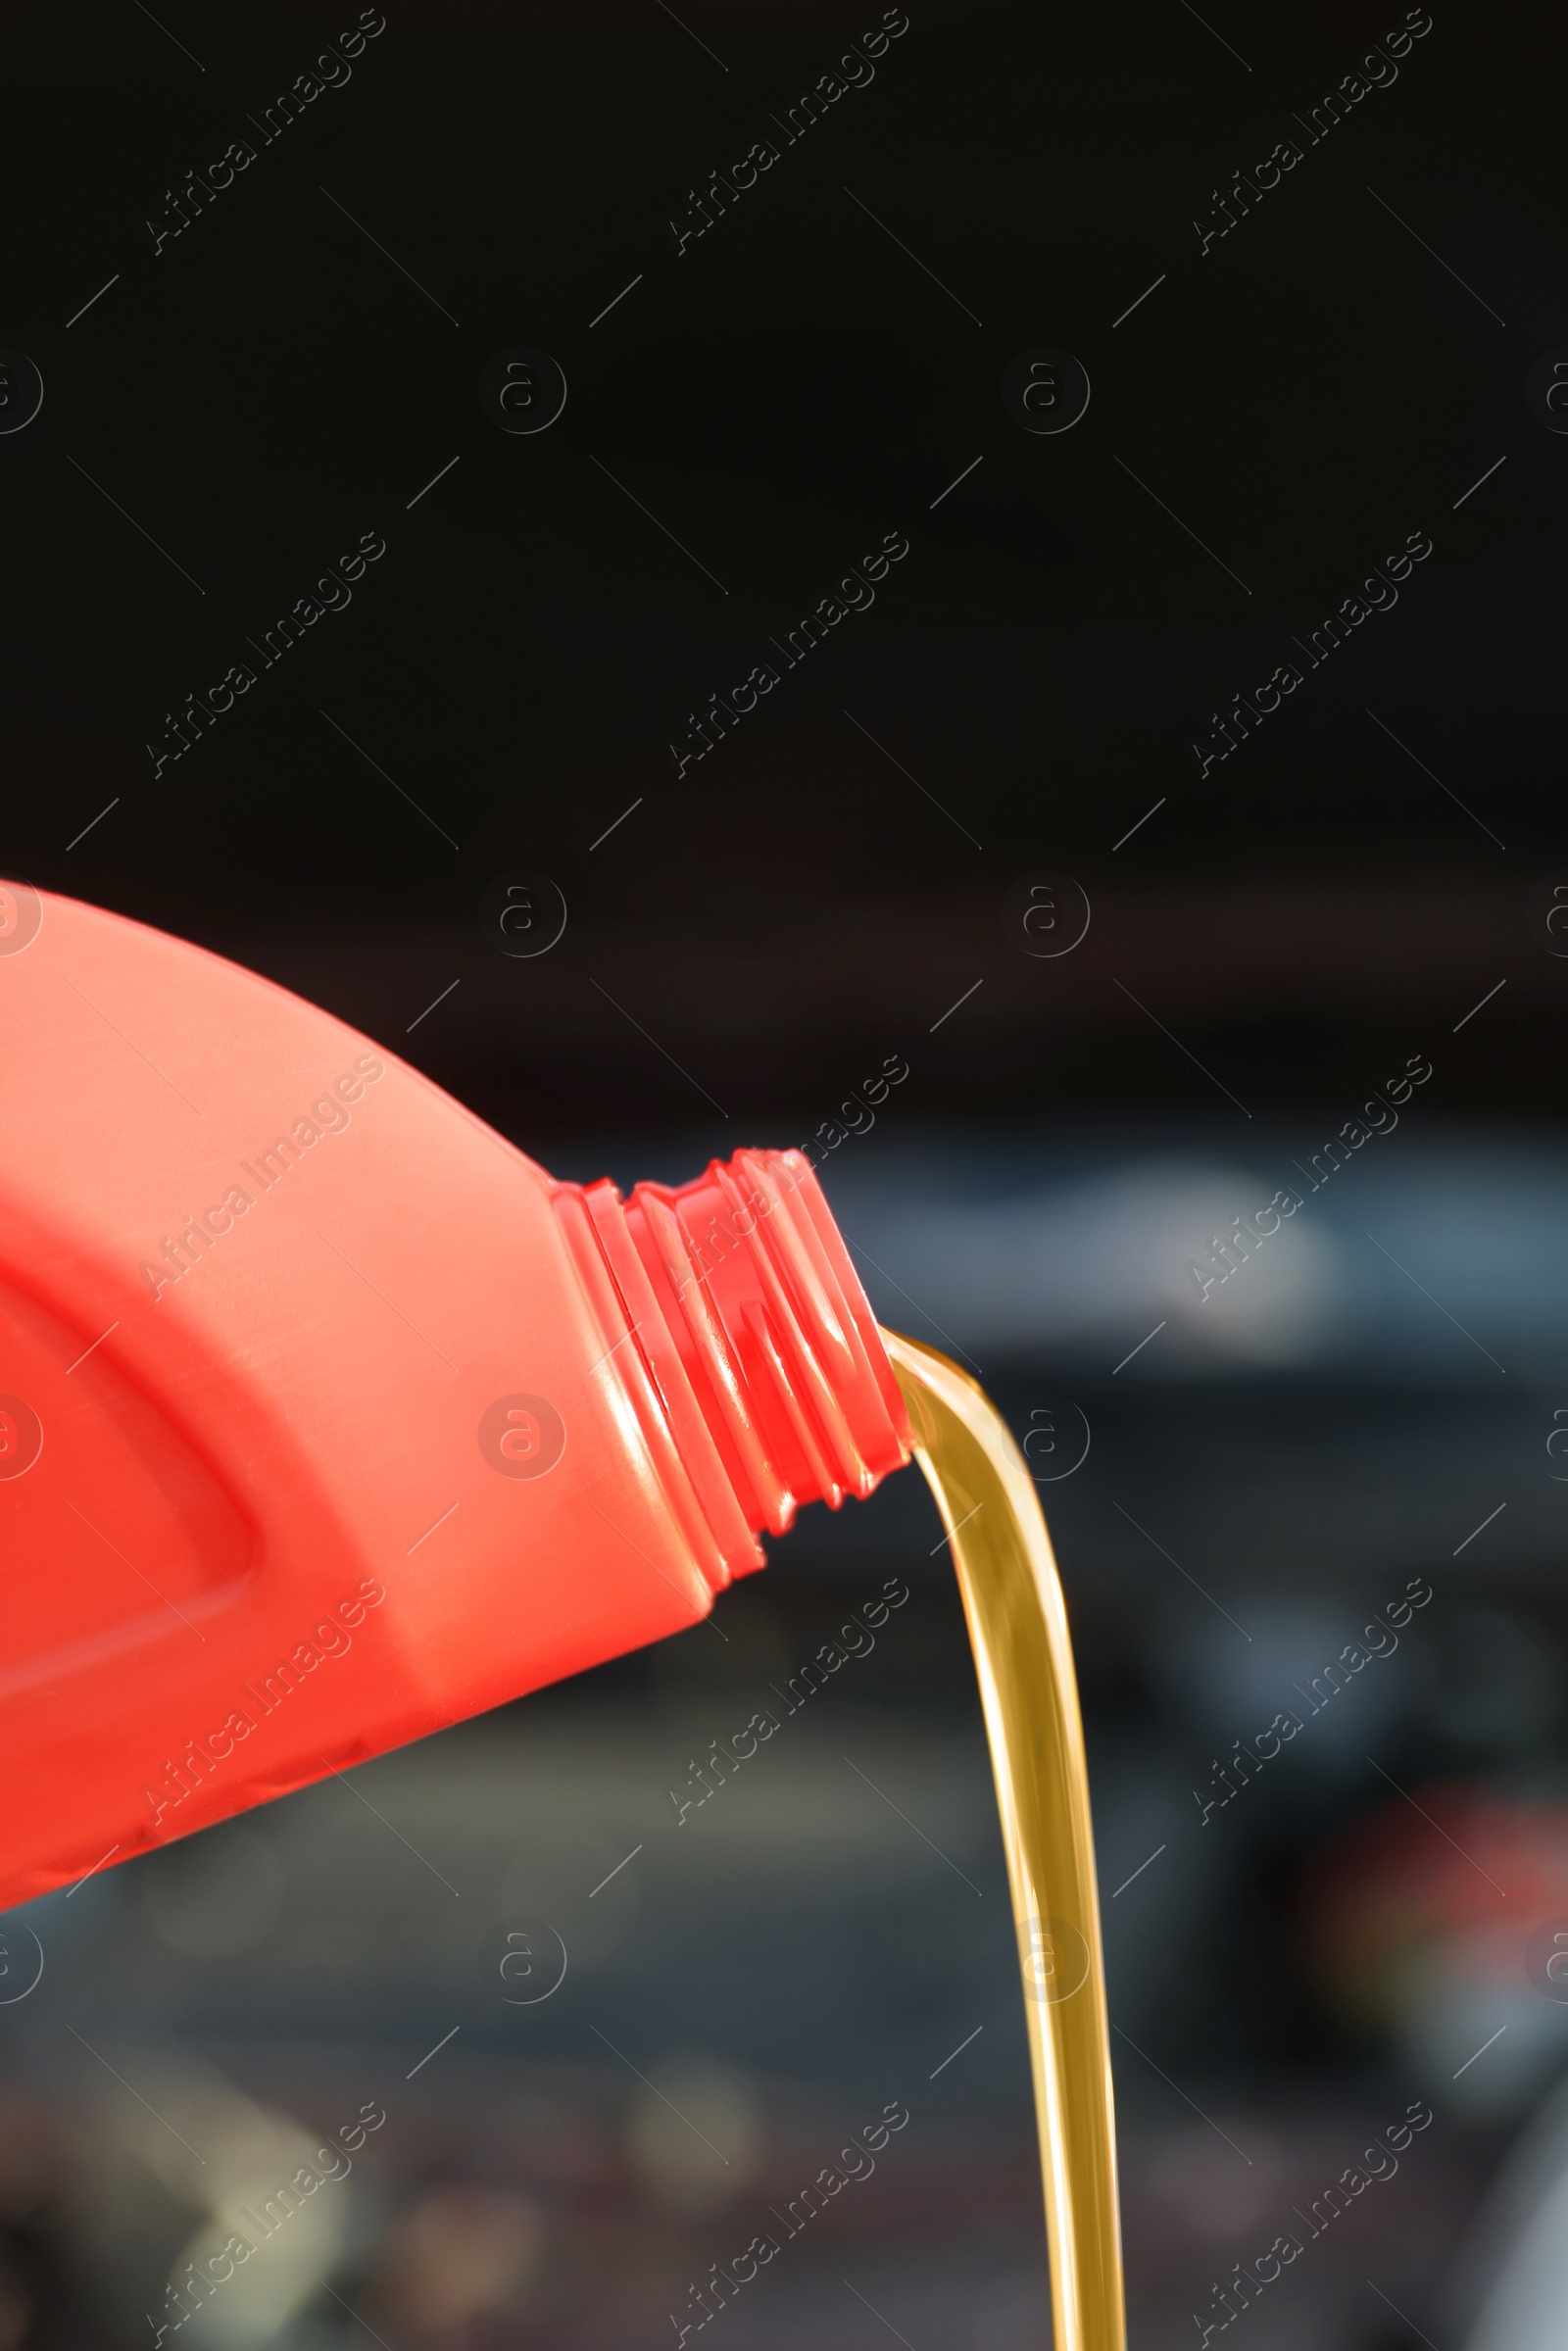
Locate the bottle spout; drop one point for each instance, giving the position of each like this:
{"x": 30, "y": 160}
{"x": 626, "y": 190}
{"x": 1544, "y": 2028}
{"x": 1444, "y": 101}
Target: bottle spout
{"x": 760, "y": 1337}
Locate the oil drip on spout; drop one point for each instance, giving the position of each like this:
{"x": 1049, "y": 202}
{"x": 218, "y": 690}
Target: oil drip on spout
{"x": 1023, "y": 1660}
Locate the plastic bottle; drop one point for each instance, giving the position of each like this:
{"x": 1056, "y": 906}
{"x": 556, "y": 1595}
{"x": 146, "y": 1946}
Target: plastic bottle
{"x": 327, "y": 1418}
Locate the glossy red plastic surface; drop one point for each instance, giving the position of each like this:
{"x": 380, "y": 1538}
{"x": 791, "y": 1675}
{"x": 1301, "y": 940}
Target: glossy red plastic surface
{"x": 327, "y": 1418}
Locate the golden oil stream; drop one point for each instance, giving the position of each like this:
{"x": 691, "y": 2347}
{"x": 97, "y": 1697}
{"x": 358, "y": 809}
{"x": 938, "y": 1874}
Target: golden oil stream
{"x": 1023, "y": 1660}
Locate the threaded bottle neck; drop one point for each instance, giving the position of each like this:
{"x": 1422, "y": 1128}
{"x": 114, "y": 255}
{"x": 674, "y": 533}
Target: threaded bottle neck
{"x": 751, "y": 1327}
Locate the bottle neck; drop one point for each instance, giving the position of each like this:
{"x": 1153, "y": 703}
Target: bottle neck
{"x": 755, "y": 1355}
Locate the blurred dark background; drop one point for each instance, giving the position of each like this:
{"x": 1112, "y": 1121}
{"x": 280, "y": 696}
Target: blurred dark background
{"x": 1234, "y": 1481}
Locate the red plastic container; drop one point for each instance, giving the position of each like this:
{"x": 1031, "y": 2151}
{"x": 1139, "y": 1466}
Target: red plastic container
{"x": 327, "y": 1418}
